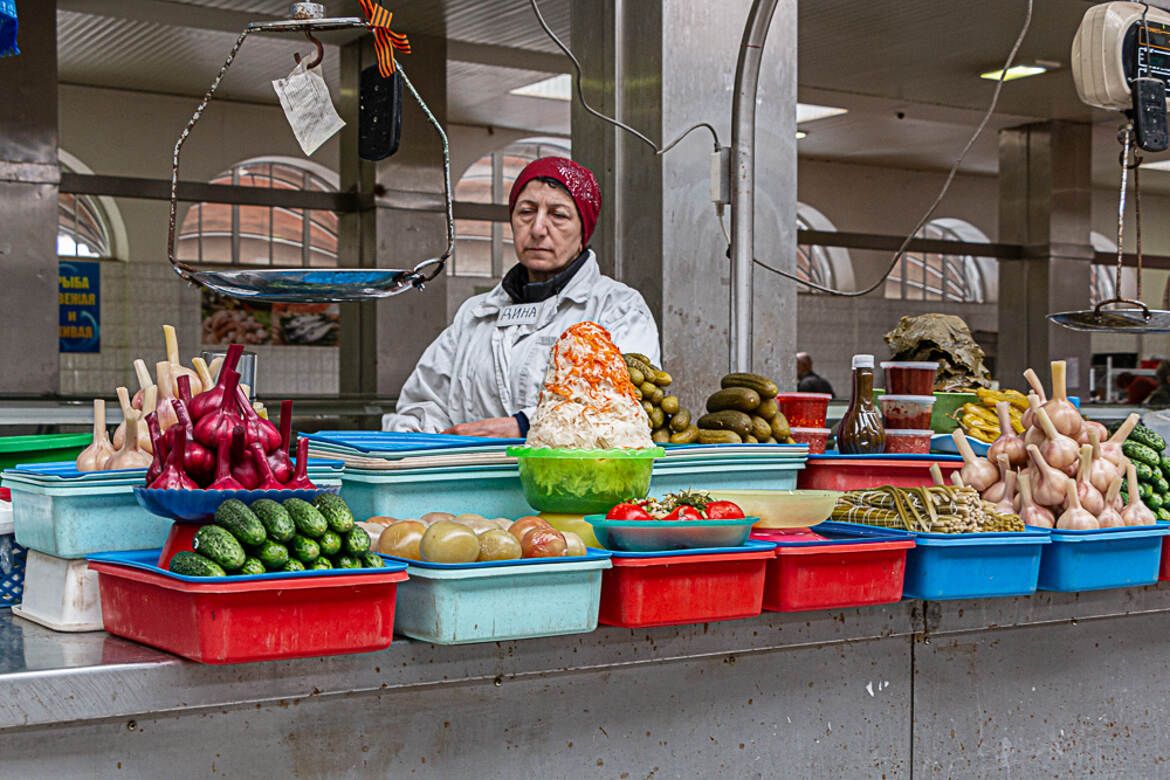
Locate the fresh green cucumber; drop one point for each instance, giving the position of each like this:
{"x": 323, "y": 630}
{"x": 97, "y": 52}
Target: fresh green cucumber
{"x": 1143, "y": 435}
{"x": 321, "y": 563}
{"x": 252, "y": 566}
{"x": 372, "y": 560}
{"x": 330, "y": 543}
{"x": 346, "y": 562}
{"x": 275, "y": 518}
{"x": 308, "y": 520}
{"x": 1144, "y": 472}
{"x": 240, "y": 521}
{"x": 356, "y": 541}
{"x": 273, "y": 555}
{"x": 304, "y": 549}
{"x": 1139, "y": 452}
{"x": 216, "y": 543}
{"x": 336, "y": 512}
{"x": 192, "y": 564}
{"x": 1154, "y": 502}
{"x": 293, "y": 565}
{"x": 1163, "y": 514}
{"x": 1160, "y": 484}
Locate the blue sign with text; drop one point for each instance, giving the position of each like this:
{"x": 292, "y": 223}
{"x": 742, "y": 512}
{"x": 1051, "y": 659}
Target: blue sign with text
{"x": 79, "y": 302}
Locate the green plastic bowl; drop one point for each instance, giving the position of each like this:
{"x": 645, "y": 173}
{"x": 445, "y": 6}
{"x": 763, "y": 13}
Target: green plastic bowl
{"x": 15, "y": 450}
{"x": 583, "y": 482}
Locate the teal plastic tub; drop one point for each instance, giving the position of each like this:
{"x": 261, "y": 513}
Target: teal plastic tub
{"x": 455, "y": 606}
{"x": 487, "y": 492}
{"x": 74, "y": 521}
{"x": 749, "y": 475}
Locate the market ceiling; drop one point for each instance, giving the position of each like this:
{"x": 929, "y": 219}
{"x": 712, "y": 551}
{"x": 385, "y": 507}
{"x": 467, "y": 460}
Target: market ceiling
{"x": 912, "y": 105}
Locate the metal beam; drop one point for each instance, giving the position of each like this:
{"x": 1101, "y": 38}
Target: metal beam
{"x": 196, "y": 192}
{"x": 892, "y": 243}
{"x": 506, "y": 57}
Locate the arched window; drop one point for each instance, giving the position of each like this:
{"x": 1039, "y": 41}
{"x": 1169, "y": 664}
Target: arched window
{"x": 483, "y": 248}
{"x": 229, "y": 234}
{"x": 827, "y": 266}
{"x": 86, "y": 225}
{"x": 928, "y": 276}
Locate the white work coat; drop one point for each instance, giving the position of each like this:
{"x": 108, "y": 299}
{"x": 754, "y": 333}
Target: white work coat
{"x": 491, "y": 361}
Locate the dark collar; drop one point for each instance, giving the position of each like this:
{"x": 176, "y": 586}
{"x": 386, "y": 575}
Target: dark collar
{"x": 520, "y": 290}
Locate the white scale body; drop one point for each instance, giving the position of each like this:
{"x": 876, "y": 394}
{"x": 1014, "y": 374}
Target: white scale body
{"x": 1109, "y": 47}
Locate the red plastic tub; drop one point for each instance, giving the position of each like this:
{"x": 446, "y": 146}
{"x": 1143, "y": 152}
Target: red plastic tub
{"x": 831, "y": 473}
{"x": 817, "y": 439}
{"x": 908, "y": 442}
{"x": 910, "y": 377}
{"x": 240, "y": 622}
{"x": 680, "y": 589}
{"x": 805, "y": 410}
{"x": 834, "y": 576}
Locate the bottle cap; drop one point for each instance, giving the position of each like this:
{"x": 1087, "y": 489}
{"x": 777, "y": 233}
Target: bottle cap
{"x": 862, "y": 361}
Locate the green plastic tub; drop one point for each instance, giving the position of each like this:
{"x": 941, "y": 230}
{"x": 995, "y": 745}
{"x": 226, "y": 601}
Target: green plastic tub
{"x": 15, "y": 450}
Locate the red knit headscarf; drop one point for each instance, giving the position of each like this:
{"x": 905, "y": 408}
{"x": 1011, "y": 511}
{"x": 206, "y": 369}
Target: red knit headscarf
{"x": 578, "y": 180}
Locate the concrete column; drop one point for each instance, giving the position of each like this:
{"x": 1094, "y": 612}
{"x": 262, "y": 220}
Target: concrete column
{"x": 662, "y": 66}
{"x": 382, "y": 341}
{"x": 1045, "y": 203}
{"x": 29, "y": 174}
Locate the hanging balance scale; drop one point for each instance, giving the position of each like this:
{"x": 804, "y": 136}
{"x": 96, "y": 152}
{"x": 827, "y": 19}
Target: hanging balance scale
{"x": 310, "y": 285}
{"x": 1121, "y": 62}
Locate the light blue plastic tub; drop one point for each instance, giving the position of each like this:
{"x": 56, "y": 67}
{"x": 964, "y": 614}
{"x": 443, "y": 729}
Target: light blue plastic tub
{"x": 750, "y": 475}
{"x": 72, "y": 522}
{"x": 491, "y": 493}
{"x": 1102, "y": 558}
{"x": 453, "y": 606}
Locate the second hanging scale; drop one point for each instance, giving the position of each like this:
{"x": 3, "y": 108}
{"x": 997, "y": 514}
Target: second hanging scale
{"x": 1121, "y": 61}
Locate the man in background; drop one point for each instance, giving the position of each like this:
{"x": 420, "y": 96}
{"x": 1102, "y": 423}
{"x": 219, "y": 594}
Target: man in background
{"x": 1136, "y": 388}
{"x": 807, "y": 380}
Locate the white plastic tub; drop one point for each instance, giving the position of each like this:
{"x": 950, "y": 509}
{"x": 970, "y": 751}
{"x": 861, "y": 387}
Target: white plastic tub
{"x": 60, "y": 593}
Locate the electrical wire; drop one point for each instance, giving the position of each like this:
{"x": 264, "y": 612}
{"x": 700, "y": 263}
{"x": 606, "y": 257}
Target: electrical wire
{"x": 585, "y": 104}
{"x": 942, "y": 193}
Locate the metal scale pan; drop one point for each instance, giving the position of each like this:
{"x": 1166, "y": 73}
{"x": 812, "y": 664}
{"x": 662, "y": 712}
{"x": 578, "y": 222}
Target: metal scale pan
{"x": 310, "y": 285}
{"x": 1135, "y": 321}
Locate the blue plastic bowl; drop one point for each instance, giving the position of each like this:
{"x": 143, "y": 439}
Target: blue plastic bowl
{"x": 198, "y": 505}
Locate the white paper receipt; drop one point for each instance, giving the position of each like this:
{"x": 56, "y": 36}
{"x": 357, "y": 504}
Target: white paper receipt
{"x": 304, "y": 97}
{"x": 520, "y": 314}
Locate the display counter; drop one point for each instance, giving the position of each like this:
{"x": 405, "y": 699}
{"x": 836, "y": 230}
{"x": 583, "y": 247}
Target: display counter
{"x": 1053, "y": 683}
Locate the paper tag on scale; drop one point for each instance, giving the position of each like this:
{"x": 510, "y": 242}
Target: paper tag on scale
{"x": 519, "y": 314}
{"x": 305, "y": 100}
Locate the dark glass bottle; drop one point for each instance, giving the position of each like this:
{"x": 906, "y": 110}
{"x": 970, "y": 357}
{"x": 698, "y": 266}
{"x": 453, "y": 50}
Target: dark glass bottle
{"x": 861, "y": 431}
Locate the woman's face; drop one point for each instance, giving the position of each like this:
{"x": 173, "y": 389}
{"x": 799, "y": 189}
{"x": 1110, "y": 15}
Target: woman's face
{"x": 546, "y": 230}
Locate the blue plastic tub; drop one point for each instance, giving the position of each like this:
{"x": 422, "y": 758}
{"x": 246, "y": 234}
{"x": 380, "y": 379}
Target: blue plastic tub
{"x": 972, "y": 566}
{"x": 74, "y": 521}
{"x": 460, "y": 604}
{"x": 1105, "y": 558}
{"x": 755, "y": 474}
{"x": 404, "y": 494}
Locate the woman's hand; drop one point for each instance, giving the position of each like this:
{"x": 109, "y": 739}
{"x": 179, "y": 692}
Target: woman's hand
{"x": 492, "y": 427}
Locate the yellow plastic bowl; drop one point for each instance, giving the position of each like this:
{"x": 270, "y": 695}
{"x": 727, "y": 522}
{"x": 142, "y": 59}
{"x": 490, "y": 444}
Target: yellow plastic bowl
{"x": 783, "y": 508}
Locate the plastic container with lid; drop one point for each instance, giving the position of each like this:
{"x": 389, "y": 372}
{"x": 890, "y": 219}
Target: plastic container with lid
{"x": 908, "y": 441}
{"x": 910, "y": 377}
{"x": 805, "y": 410}
{"x": 816, "y": 438}
{"x": 906, "y": 411}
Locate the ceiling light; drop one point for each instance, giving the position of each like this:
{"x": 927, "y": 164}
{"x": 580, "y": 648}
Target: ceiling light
{"x": 801, "y": 134}
{"x": 1015, "y": 72}
{"x": 554, "y": 88}
{"x": 1161, "y": 165}
{"x": 807, "y": 112}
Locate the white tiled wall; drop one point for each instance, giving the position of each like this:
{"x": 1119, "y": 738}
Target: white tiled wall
{"x": 137, "y": 299}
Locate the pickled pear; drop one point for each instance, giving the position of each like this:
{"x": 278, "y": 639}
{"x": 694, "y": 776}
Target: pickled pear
{"x": 497, "y": 545}
{"x": 449, "y": 542}
{"x": 402, "y": 539}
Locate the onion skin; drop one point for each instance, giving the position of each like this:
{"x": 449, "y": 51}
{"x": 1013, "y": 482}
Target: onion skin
{"x": 1090, "y": 498}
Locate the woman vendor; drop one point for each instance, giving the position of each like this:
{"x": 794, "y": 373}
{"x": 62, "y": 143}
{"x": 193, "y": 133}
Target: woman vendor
{"x": 482, "y": 376}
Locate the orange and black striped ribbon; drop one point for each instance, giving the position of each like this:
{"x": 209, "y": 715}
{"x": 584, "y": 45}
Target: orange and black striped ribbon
{"x": 385, "y": 40}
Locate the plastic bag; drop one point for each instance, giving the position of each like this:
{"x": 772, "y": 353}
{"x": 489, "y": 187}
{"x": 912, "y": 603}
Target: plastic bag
{"x": 8, "y": 29}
